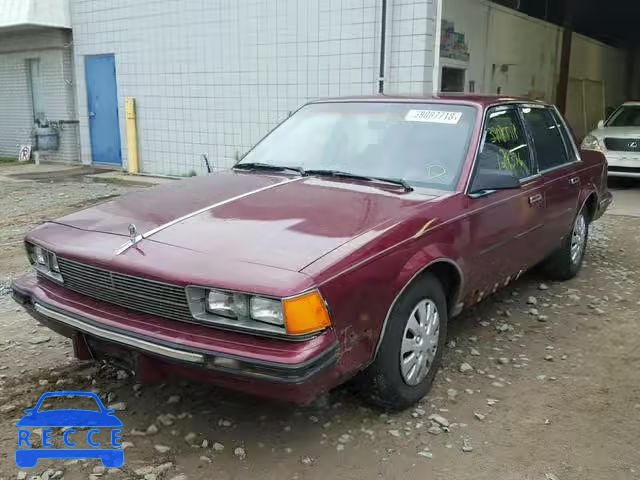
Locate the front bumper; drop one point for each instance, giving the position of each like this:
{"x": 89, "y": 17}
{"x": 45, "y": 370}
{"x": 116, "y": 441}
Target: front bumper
{"x": 253, "y": 365}
{"x": 623, "y": 164}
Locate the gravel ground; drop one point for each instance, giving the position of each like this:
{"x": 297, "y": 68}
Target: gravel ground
{"x": 541, "y": 381}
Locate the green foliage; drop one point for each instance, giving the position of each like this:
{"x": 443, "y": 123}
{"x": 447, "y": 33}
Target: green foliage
{"x": 191, "y": 173}
{"x": 9, "y": 160}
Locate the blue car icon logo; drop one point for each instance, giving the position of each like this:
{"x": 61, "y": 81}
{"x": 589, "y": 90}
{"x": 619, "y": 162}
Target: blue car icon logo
{"x": 27, "y": 456}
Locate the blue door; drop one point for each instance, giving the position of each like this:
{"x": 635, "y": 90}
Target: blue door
{"x": 102, "y": 102}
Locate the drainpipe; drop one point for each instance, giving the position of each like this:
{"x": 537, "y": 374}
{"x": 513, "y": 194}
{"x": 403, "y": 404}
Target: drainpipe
{"x": 435, "y": 79}
{"x": 565, "y": 57}
{"x": 383, "y": 39}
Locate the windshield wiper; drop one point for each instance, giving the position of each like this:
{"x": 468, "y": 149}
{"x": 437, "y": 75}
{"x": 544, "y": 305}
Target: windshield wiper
{"x": 355, "y": 176}
{"x": 267, "y": 166}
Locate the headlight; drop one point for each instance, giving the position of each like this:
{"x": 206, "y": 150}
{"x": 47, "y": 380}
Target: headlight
{"x": 39, "y": 257}
{"x": 267, "y": 310}
{"x": 298, "y": 315}
{"x": 227, "y": 304}
{"x": 44, "y": 261}
{"x": 591, "y": 142}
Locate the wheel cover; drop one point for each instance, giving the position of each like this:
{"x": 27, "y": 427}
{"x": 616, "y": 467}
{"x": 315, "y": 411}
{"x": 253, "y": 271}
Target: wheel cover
{"x": 419, "y": 342}
{"x": 578, "y": 239}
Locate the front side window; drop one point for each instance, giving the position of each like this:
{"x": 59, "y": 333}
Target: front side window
{"x": 549, "y": 147}
{"x": 505, "y": 144}
{"x": 625, "y": 116}
{"x": 424, "y": 144}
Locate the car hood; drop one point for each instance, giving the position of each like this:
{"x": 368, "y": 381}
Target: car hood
{"x": 617, "y": 132}
{"x": 273, "y": 220}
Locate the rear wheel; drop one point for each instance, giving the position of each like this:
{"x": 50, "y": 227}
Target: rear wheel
{"x": 567, "y": 261}
{"x": 411, "y": 349}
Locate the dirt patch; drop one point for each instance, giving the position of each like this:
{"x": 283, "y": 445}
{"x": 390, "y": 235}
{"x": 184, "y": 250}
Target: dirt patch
{"x": 552, "y": 395}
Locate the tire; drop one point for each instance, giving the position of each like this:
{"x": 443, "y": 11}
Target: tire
{"x": 384, "y": 383}
{"x": 566, "y": 262}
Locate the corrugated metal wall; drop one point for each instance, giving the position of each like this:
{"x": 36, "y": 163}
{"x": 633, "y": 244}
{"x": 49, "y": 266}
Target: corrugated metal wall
{"x": 53, "y": 48}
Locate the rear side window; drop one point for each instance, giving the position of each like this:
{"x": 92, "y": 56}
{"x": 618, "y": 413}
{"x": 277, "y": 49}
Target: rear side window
{"x": 567, "y": 135}
{"x": 548, "y": 145}
{"x": 505, "y": 144}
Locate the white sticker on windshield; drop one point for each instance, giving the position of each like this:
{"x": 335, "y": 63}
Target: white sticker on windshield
{"x": 433, "y": 116}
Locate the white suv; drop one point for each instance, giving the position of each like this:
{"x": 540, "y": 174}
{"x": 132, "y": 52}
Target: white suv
{"x": 618, "y": 139}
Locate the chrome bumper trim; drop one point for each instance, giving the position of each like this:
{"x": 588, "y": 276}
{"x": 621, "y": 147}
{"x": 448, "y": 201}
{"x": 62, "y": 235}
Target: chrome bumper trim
{"x": 119, "y": 337}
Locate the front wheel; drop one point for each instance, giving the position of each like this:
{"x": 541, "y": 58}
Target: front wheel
{"x": 565, "y": 263}
{"x": 411, "y": 349}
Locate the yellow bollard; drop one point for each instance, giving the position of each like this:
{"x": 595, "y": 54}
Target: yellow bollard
{"x": 132, "y": 135}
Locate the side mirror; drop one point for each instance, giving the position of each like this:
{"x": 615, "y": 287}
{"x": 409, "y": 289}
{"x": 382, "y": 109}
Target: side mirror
{"x": 492, "y": 179}
{"x": 601, "y": 124}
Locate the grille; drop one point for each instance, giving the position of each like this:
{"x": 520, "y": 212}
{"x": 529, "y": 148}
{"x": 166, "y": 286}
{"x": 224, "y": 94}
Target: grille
{"x": 623, "y": 144}
{"x": 135, "y": 293}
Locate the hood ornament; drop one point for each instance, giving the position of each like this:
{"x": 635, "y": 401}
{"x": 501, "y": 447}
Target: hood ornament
{"x": 133, "y": 233}
{"x": 134, "y": 237}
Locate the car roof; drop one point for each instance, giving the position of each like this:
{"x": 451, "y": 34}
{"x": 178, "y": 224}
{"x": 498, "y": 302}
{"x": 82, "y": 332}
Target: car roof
{"x": 482, "y": 101}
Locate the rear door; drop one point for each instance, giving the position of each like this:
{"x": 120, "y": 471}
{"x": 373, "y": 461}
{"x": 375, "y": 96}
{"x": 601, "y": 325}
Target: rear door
{"x": 505, "y": 226}
{"x": 558, "y": 162}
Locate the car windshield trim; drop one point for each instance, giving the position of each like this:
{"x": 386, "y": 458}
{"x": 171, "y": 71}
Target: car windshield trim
{"x": 341, "y": 174}
{"x": 420, "y": 144}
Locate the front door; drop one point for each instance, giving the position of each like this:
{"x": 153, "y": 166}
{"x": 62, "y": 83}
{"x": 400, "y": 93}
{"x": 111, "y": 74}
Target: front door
{"x": 505, "y": 226}
{"x": 102, "y": 104}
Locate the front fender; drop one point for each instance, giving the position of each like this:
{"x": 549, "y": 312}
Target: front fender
{"x": 361, "y": 300}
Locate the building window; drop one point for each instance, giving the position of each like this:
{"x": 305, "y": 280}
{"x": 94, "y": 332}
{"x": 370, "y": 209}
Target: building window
{"x": 35, "y": 82}
{"x": 453, "y": 79}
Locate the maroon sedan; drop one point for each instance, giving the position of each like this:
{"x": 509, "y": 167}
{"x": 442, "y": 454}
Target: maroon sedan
{"x": 338, "y": 248}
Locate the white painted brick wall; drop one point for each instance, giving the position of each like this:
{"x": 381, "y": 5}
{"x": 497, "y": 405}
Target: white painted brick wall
{"x": 215, "y": 76}
{"x": 16, "y": 111}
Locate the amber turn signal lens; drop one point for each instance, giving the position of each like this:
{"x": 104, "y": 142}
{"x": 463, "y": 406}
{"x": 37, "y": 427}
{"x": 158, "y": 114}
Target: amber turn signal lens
{"x": 305, "y": 314}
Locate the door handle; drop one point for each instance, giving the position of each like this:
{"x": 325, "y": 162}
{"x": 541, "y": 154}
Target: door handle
{"x": 574, "y": 180}
{"x": 535, "y": 199}
{"x": 92, "y": 114}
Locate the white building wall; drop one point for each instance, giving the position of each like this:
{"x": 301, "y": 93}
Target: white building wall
{"x": 215, "y": 77}
{"x": 43, "y": 13}
{"x": 53, "y": 48}
{"x": 520, "y": 55}
{"x": 593, "y": 60}
{"x": 410, "y": 46}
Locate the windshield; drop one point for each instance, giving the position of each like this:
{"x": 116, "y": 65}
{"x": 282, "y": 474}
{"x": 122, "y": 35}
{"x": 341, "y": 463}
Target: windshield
{"x": 625, "y": 116}
{"x": 423, "y": 144}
